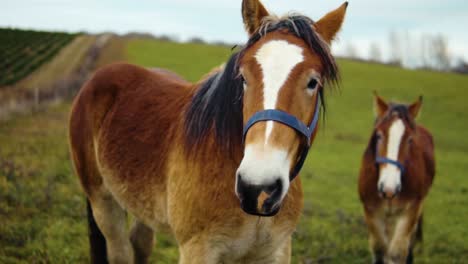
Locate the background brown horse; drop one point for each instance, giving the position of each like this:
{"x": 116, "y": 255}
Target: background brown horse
{"x": 397, "y": 171}
{"x": 167, "y": 151}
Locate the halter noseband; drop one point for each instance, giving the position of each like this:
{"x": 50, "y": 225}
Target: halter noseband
{"x": 385, "y": 160}
{"x": 293, "y": 122}
{"x": 396, "y": 163}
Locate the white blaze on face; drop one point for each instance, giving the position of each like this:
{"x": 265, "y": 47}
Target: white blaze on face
{"x": 277, "y": 59}
{"x": 264, "y": 164}
{"x": 390, "y": 175}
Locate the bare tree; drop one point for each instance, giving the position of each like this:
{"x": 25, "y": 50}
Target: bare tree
{"x": 374, "y": 52}
{"x": 351, "y": 51}
{"x": 395, "y": 48}
{"x": 426, "y": 51}
{"x": 408, "y": 57}
{"x": 441, "y": 54}
{"x": 461, "y": 66}
{"x": 196, "y": 40}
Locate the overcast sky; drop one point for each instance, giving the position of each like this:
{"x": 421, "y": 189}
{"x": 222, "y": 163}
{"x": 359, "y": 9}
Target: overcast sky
{"x": 367, "y": 21}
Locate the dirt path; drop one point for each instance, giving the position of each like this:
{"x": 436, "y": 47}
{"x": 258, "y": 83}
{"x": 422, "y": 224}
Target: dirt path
{"x": 58, "y": 79}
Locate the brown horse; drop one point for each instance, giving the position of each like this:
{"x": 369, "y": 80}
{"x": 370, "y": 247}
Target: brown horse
{"x": 173, "y": 154}
{"x": 396, "y": 174}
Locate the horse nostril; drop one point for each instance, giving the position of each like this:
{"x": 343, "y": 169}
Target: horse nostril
{"x": 381, "y": 188}
{"x": 275, "y": 191}
{"x": 239, "y": 177}
{"x": 262, "y": 199}
{"x": 240, "y": 186}
{"x": 389, "y": 194}
{"x": 398, "y": 189}
{"x": 274, "y": 187}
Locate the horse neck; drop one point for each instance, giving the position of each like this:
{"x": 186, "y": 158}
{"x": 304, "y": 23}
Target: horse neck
{"x": 211, "y": 159}
{"x": 421, "y": 150}
{"x": 209, "y": 155}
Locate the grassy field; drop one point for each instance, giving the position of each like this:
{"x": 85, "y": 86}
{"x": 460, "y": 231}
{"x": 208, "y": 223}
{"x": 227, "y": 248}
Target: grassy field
{"x": 42, "y": 209}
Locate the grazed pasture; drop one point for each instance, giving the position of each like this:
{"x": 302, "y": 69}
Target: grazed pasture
{"x": 42, "y": 210}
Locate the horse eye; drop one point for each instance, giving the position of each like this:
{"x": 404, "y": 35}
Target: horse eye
{"x": 241, "y": 77}
{"x": 313, "y": 84}
{"x": 379, "y": 135}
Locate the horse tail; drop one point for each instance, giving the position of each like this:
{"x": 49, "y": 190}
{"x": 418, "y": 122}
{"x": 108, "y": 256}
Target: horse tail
{"x": 97, "y": 242}
{"x": 419, "y": 230}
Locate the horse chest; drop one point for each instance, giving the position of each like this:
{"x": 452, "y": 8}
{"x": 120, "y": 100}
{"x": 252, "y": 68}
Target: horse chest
{"x": 258, "y": 241}
{"x": 391, "y": 209}
{"x": 389, "y": 212}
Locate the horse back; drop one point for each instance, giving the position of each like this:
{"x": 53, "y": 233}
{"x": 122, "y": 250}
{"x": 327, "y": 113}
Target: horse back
{"x": 164, "y": 73}
{"x": 122, "y": 125}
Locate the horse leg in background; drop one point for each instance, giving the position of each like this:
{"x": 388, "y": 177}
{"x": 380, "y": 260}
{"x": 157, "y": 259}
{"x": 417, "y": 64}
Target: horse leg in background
{"x": 417, "y": 238}
{"x": 377, "y": 237}
{"x": 112, "y": 221}
{"x": 142, "y": 239}
{"x": 404, "y": 230}
{"x": 409, "y": 258}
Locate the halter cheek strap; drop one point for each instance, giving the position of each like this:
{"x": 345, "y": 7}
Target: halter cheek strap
{"x": 383, "y": 160}
{"x": 293, "y": 122}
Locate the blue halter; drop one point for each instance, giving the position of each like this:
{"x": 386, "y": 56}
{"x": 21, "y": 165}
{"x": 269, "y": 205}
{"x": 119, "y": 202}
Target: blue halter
{"x": 383, "y": 160}
{"x": 293, "y": 122}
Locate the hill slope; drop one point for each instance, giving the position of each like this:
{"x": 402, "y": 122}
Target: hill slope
{"x": 42, "y": 208}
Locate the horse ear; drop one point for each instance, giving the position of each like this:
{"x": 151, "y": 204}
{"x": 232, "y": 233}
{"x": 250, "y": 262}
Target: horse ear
{"x": 329, "y": 25}
{"x": 252, "y": 13}
{"x": 415, "y": 107}
{"x": 380, "y": 106}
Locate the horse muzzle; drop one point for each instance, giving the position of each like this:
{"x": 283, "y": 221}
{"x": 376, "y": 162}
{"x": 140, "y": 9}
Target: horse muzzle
{"x": 389, "y": 192}
{"x": 261, "y": 200}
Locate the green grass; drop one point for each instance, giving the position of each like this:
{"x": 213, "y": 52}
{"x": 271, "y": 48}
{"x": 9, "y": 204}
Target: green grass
{"x": 332, "y": 171}
{"x": 192, "y": 61}
{"x": 332, "y": 229}
{"x": 42, "y": 208}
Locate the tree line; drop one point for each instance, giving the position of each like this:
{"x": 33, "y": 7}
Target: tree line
{"x": 426, "y": 51}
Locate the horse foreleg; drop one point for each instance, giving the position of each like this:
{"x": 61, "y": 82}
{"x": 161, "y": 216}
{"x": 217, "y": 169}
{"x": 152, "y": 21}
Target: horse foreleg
{"x": 378, "y": 241}
{"x": 142, "y": 238}
{"x": 284, "y": 256}
{"x": 401, "y": 240}
{"x": 197, "y": 251}
{"x": 112, "y": 221}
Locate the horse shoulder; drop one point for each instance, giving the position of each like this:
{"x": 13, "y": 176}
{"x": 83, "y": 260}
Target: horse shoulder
{"x": 138, "y": 116}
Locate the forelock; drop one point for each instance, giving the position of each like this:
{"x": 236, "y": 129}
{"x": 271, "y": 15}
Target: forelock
{"x": 303, "y": 28}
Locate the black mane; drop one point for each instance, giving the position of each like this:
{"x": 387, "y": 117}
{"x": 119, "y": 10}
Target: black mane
{"x": 302, "y": 27}
{"x": 217, "y": 105}
{"x": 402, "y": 111}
